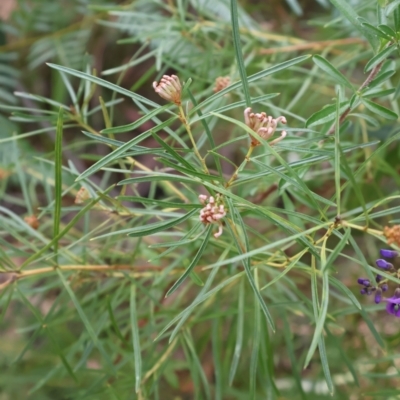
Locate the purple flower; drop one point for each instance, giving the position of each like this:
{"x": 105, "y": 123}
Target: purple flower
{"x": 363, "y": 281}
{"x": 378, "y": 278}
{"x": 393, "y": 304}
{"x": 384, "y": 287}
{"x": 389, "y": 253}
{"x": 363, "y": 291}
{"x": 378, "y": 296}
{"x": 383, "y": 264}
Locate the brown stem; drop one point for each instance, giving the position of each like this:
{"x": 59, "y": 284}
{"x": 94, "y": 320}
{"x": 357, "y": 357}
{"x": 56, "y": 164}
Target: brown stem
{"x": 262, "y": 196}
{"x": 369, "y": 79}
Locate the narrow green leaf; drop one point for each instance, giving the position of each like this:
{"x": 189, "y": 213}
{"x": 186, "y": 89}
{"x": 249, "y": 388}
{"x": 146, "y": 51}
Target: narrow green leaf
{"x": 351, "y": 178}
{"x": 238, "y": 51}
{"x": 196, "y": 278}
{"x": 137, "y": 123}
{"x": 207, "y": 131}
{"x": 337, "y": 156}
{"x": 393, "y": 6}
{"x": 135, "y": 339}
{"x": 287, "y": 269}
{"x": 216, "y": 342}
{"x": 192, "y": 172}
{"x": 378, "y": 58}
{"x": 104, "y": 111}
{"x": 238, "y": 104}
{"x": 271, "y": 149}
{"x": 247, "y": 266}
{"x": 354, "y": 99}
{"x": 59, "y": 351}
{"x": 44, "y": 379}
{"x": 239, "y": 333}
{"x": 67, "y": 227}
{"x": 42, "y": 99}
{"x": 377, "y": 92}
{"x": 158, "y": 177}
{"x": 345, "y": 8}
{"x": 345, "y": 358}
{"x": 161, "y": 203}
{"x": 339, "y": 247}
{"x": 380, "y": 110}
{"x": 375, "y": 31}
{"x": 388, "y": 31}
{"x": 48, "y": 332}
{"x": 193, "y": 263}
{"x": 103, "y": 108}
{"x": 338, "y": 284}
{"x": 382, "y": 77}
{"x": 197, "y": 365}
{"x": 326, "y": 66}
{"x": 92, "y": 334}
{"x": 294, "y": 182}
{"x": 173, "y": 153}
{"x": 7, "y": 301}
{"x": 288, "y": 335}
{"x": 321, "y": 312}
{"x": 117, "y": 153}
{"x": 113, "y": 321}
{"x": 149, "y": 229}
{"x": 175, "y": 134}
{"x": 200, "y": 300}
{"x": 252, "y": 78}
{"x": 171, "y": 246}
{"x": 381, "y": 16}
{"x": 397, "y": 18}
{"x": 185, "y": 314}
{"x": 325, "y": 364}
{"x": 256, "y": 337}
{"x": 105, "y": 140}
{"x": 373, "y": 121}
{"x": 372, "y": 328}
{"x": 58, "y": 155}
{"x": 295, "y": 6}
{"x": 327, "y": 114}
{"x": 104, "y": 83}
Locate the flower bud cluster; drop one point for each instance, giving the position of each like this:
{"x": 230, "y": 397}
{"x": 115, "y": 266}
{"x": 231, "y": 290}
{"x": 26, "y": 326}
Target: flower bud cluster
{"x": 368, "y": 289}
{"x": 82, "y": 195}
{"x": 169, "y": 88}
{"x": 264, "y": 125}
{"x": 212, "y": 212}
{"x": 393, "y": 303}
{"x": 392, "y": 234}
{"x": 32, "y": 221}
{"x": 221, "y": 83}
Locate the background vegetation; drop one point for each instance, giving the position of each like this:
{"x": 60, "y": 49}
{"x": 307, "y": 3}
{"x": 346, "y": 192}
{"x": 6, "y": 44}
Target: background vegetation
{"x": 111, "y": 287}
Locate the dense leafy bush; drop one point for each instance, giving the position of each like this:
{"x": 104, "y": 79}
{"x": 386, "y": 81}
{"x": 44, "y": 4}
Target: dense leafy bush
{"x": 205, "y": 236}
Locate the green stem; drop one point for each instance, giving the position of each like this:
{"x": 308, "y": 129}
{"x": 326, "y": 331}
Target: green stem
{"x": 189, "y": 131}
{"x": 241, "y": 166}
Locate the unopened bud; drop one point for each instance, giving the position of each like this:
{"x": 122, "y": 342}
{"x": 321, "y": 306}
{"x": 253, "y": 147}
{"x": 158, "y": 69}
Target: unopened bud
{"x": 169, "y": 88}
{"x": 82, "y": 195}
{"x": 264, "y": 125}
{"x": 32, "y": 221}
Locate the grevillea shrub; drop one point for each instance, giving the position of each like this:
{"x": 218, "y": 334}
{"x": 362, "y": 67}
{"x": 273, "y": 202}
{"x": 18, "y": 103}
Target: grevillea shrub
{"x": 193, "y": 196}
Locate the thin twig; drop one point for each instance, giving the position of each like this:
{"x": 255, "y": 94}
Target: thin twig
{"x": 312, "y": 45}
{"x": 369, "y": 79}
{"x": 186, "y": 123}
{"x": 241, "y": 166}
